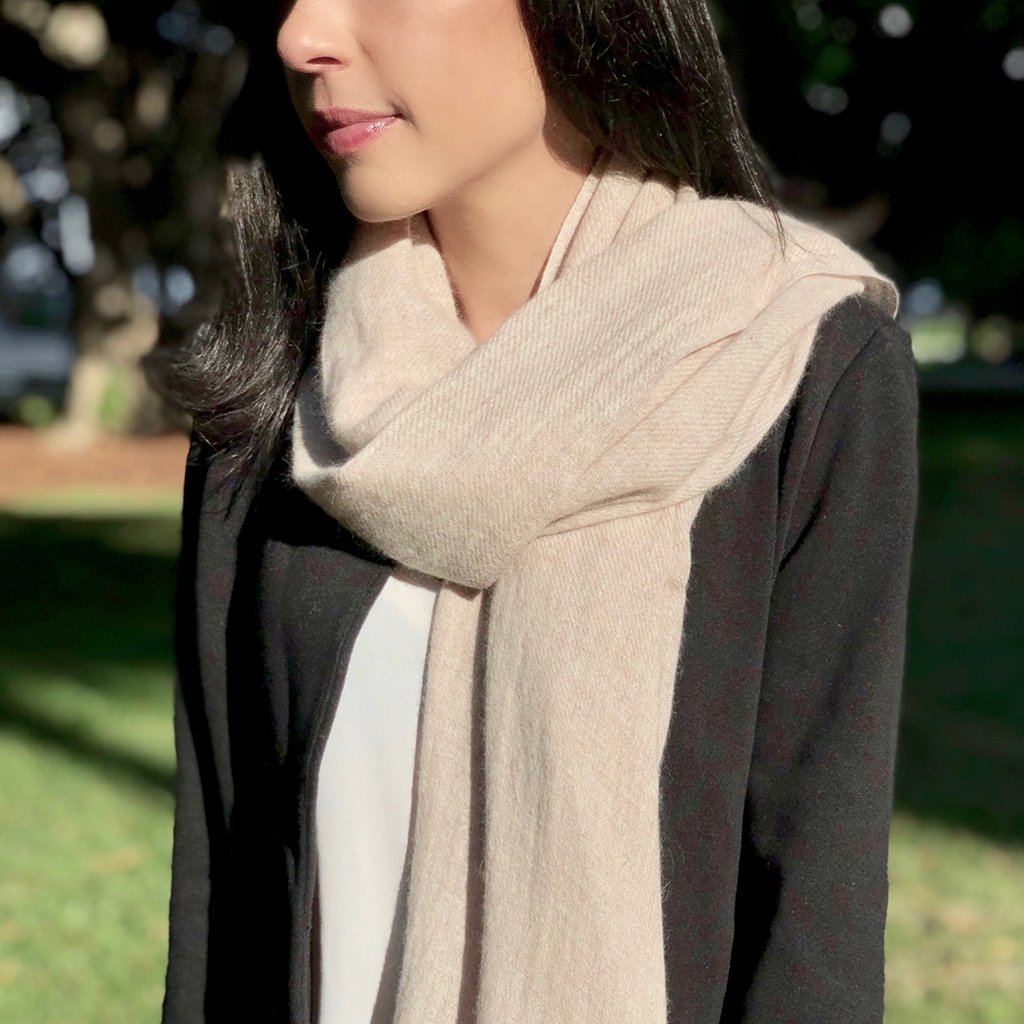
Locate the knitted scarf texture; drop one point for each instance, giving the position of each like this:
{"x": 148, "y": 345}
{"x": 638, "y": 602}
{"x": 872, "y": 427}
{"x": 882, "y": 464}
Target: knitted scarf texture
{"x": 550, "y": 477}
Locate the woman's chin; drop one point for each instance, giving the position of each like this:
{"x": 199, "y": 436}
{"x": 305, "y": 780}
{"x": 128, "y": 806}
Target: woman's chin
{"x": 373, "y": 196}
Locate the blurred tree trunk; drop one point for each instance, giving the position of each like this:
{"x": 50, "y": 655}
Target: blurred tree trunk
{"x": 107, "y": 390}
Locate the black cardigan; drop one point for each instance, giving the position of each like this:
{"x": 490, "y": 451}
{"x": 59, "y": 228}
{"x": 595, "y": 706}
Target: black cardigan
{"x": 777, "y": 778}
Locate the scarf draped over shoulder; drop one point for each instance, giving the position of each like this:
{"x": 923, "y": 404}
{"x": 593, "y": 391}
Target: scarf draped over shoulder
{"x": 550, "y": 477}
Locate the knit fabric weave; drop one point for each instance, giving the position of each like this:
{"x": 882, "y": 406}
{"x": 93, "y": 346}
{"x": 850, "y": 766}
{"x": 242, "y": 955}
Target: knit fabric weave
{"x": 551, "y": 477}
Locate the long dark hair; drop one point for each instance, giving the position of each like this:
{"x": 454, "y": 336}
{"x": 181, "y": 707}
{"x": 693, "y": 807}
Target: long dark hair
{"x": 644, "y": 78}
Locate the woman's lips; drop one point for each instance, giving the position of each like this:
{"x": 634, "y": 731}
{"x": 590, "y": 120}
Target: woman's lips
{"x": 335, "y": 137}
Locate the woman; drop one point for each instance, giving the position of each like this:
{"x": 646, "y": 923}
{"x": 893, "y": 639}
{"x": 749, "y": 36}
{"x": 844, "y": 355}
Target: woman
{"x": 546, "y": 544}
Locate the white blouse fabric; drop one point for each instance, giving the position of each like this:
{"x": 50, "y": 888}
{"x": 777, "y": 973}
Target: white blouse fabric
{"x": 364, "y": 804}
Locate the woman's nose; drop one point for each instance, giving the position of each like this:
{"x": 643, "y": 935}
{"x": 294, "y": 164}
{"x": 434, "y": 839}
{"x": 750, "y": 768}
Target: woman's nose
{"x": 309, "y": 37}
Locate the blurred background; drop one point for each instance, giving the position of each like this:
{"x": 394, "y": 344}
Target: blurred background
{"x": 895, "y": 125}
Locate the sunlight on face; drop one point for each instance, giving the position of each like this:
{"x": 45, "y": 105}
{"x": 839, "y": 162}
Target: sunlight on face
{"x": 460, "y": 73}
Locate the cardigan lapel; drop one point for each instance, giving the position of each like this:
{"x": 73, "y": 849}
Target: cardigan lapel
{"x": 291, "y": 587}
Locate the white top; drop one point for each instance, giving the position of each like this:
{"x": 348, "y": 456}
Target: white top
{"x": 364, "y": 804}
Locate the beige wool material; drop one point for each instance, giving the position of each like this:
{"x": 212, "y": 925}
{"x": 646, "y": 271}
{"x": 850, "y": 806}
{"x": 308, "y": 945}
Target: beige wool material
{"x": 550, "y": 476}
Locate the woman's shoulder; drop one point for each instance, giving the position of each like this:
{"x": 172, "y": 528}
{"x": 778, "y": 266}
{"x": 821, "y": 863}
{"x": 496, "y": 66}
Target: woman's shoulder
{"x": 215, "y": 485}
{"x": 851, "y": 430}
{"x": 856, "y": 342}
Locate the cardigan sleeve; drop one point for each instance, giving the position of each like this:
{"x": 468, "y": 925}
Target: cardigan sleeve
{"x": 812, "y": 893}
{"x": 190, "y": 859}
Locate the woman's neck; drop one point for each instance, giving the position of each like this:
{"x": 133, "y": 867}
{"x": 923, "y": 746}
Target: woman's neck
{"x": 495, "y": 238}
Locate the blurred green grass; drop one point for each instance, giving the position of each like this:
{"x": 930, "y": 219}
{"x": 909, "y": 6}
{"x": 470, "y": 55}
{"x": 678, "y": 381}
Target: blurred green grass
{"x": 86, "y": 747}
{"x": 962, "y": 738}
{"x": 87, "y": 756}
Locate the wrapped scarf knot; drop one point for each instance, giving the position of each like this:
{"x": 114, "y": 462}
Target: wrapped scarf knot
{"x": 550, "y": 477}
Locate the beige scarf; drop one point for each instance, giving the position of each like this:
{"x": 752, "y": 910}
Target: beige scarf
{"x": 551, "y": 477}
